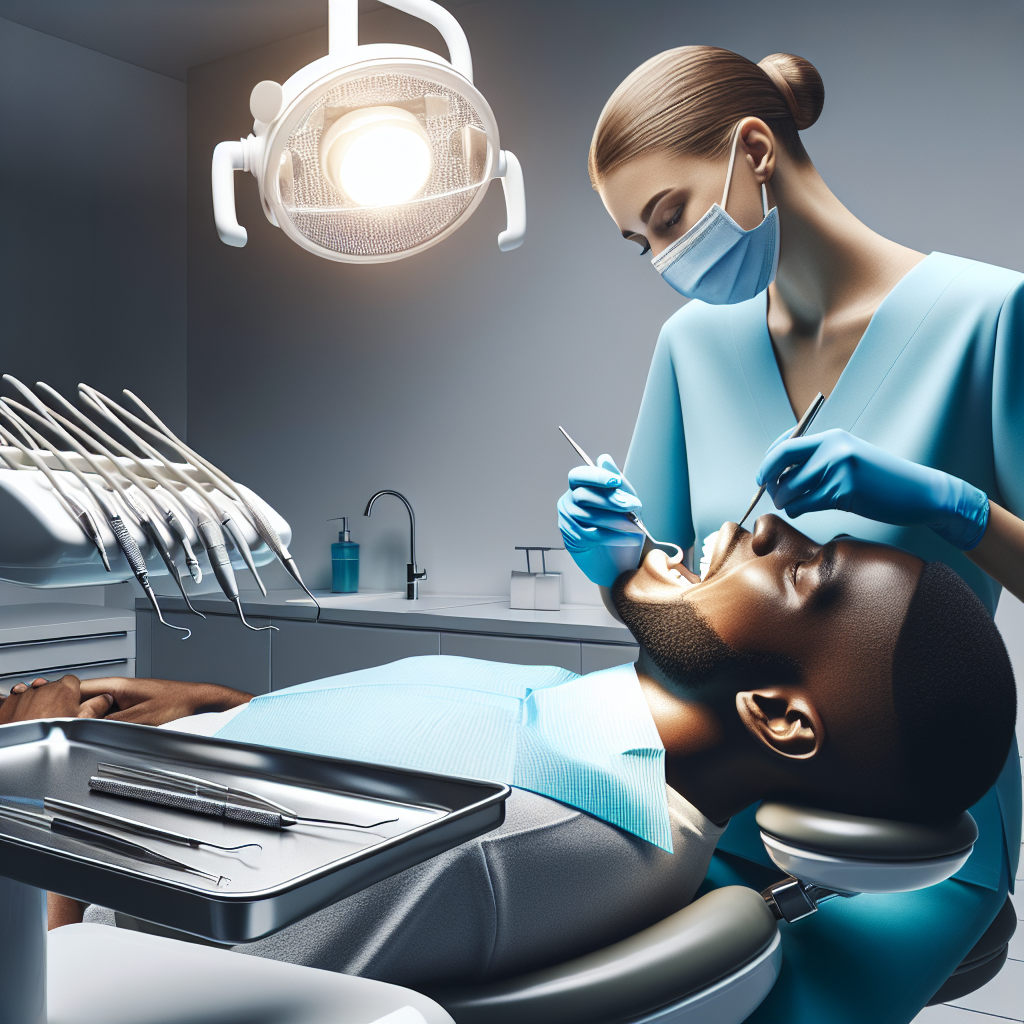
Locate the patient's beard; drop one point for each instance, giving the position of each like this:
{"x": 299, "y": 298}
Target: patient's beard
{"x": 678, "y": 639}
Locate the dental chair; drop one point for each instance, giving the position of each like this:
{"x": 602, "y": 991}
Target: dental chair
{"x": 712, "y": 962}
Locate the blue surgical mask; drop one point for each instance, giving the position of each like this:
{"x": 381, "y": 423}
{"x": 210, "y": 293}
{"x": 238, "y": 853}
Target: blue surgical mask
{"x": 718, "y": 262}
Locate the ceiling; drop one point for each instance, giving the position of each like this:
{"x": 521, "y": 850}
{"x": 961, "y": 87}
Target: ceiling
{"x": 170, "y": 36}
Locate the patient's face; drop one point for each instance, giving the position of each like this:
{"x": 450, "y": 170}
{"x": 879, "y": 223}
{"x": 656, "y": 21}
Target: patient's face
{"x": 834, "y": 609}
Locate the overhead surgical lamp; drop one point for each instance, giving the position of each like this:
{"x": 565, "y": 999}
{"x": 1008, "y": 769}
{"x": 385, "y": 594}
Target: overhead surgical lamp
{"x": 372, "y": 153}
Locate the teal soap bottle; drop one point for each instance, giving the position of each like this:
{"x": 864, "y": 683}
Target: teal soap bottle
{"x": 344, "y": 562}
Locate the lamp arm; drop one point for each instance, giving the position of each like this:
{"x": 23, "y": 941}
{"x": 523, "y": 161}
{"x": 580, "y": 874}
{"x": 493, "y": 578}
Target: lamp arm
{"x": 228, "y": 157}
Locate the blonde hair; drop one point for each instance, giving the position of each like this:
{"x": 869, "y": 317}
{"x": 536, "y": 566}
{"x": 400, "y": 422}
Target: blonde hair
{"x": 688, "y": 100}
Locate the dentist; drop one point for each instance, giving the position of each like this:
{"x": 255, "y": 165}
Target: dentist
{"x": 697, "y": 157}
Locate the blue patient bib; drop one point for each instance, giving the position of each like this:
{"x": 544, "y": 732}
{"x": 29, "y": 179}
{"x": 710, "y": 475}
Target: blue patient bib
{"x": 587, "y": 741}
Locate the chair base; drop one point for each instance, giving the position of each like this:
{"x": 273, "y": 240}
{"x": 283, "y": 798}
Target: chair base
{"x": 101, "y": 975}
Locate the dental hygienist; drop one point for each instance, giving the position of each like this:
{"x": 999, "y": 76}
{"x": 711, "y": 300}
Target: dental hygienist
{"x": 697, "y": 157}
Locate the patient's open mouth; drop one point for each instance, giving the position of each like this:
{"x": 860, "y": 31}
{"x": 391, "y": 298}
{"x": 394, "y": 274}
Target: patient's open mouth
{"x": 729, "y": 535}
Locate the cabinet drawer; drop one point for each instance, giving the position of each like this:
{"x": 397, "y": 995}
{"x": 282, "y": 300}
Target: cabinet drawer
{"x": 93, "y": 670}
{"x": 42, "y": 655}
{"x": 515, "y": 650}
{"x": 302, "y": 651}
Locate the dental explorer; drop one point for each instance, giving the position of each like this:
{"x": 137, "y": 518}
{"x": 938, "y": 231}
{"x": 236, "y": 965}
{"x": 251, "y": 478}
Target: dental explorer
{"x": 125, "y": 540}
{"x": 149, "y": 527}
{"x": 80, "y": 514}
{"x": 207, "y": 528}
{"x": 237, "y": 537}
{"x": 158, "y": 500}
{"x": 139, "y": 828}
{"x": 200, "y": 796}
{"x": 104, "y": 841}
{"x": 798, "y": 431}
{"x": 262, "y": 525}
{"x": 632, "y": 515}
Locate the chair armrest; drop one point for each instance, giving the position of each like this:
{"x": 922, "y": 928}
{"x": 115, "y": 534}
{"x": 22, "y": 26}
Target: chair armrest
{"x": 695, "y": 947}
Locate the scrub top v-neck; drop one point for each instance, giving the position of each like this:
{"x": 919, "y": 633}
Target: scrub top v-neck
{"x": 937, "y": 378}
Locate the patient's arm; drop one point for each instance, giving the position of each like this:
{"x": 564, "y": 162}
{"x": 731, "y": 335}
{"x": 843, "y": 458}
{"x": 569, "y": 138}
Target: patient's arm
{"x": 60, "y": 699}
{"x": 156, "y": 701}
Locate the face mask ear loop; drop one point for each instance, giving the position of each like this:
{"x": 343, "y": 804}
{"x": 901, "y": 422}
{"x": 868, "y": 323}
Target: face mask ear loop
{"x": 764, "y": 200}
{"x": 732, "y": 162}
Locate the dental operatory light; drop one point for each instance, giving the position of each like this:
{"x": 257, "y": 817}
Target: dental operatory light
{"x": 372, "y": 153}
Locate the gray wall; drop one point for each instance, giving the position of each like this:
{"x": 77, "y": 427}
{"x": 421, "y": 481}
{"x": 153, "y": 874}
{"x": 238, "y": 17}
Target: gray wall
{"x": 445, "y": 375}
{"x": 92, "y": 248}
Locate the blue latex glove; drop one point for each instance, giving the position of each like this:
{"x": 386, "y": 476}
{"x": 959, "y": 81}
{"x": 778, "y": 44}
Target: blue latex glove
{"x": 593, "y": 516}
{"x": 834, "y": 469}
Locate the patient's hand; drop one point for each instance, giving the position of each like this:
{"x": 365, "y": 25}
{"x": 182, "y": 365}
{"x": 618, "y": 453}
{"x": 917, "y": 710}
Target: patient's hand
{"x": 62, "y": 698}
{"x": 156, "y": 701}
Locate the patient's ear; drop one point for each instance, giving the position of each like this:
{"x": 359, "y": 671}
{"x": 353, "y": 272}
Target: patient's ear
{"x": 782, "y": 719}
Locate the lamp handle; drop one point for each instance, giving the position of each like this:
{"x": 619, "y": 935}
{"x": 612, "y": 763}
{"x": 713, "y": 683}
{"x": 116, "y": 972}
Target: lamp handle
{"x": 510, "y": 170}
{"x": 228, "y": 157}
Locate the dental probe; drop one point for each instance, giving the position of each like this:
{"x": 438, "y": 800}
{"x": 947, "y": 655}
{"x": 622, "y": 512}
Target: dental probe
{"x": 632, "y": 515}
{"x": 81, "y": 515}
{"x": 104, "y": 841}
{"x": 139, "y": 828}
{"x": 799, "y": 430}
{"x": 199, "y": 796}
{"x": 143, "y": 517}
{"x": 263, "y": 525}
{"x": 221, "y": 480}
{"x": 163, "y": 506}
{"x": 125, "y": 540}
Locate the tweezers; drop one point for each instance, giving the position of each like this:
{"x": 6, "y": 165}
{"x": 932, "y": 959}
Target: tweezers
{"x": 200, "y": 796}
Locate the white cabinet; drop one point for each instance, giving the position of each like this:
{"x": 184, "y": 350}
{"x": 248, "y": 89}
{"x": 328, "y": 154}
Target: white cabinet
{"x": 50, "y": 640}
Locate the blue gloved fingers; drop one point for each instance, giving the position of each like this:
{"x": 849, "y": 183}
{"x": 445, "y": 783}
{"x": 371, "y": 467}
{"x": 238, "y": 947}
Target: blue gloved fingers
{"x": 594, "y": 514}
{"x": 604, "y": 475}
{"x": 789, "y": 452}
{"x": 784, "y": 436}
{"x": 815, "y": 485}
{"x": 618, "y": 501}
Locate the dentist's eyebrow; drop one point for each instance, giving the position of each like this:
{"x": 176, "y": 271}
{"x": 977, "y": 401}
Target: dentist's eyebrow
{"x": 645, "y": 213}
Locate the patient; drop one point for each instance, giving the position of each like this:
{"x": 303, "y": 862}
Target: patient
{"x": 848, "y": 676}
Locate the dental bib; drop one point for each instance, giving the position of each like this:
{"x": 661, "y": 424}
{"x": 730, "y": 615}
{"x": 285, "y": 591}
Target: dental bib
{"x": 586, "y": 741}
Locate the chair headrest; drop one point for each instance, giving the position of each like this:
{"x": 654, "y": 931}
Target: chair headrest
{"x": 847, "y": 835}
{"x": 847, "y": 853}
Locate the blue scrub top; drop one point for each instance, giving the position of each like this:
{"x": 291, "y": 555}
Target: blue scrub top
{"x": 937, "y": 378}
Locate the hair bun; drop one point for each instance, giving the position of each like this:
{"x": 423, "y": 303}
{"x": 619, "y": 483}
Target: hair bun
{"x": 800, "y": 84}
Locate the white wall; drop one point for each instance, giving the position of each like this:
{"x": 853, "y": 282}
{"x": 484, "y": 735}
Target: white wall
{"x": 92, "y": 247}
{"x": 445, "y": 375}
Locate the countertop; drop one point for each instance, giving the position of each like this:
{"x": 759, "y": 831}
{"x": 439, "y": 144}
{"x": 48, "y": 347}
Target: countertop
{"x": 450, "y": 613}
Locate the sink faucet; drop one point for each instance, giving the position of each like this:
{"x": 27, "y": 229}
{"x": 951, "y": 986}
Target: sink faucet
{"x": 412, "y": 575}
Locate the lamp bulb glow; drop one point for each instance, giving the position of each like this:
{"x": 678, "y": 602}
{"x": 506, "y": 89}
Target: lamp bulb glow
{"x": 385, "y": 166}
{"x": 377, "y": 156}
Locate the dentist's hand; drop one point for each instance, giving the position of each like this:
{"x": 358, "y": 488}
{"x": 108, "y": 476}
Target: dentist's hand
{"x": 593, "y": 516}
{"x": 837, "y": 470}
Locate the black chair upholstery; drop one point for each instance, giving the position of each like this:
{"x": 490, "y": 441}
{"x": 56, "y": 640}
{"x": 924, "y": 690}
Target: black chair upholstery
{"x": 711, "y": 938}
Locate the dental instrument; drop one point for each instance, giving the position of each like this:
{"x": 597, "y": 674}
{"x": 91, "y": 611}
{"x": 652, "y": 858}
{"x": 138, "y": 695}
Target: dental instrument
{"x": 200, "y": 796}
{"x": 632, "y": 515}
{"x": 128, "y": 545}
{"x": 798, "y": 431}
{"x": 218, "y": 477}
{"x": 125, "y": 540}
{"x": 194, "y": 498}
{"x": 372, "y": 153}
{"x": 139, "y": 828}
{"x": 105, "y": 445}
{"x": 131, "y": 500}
{"x": 104, "y": 841}
{"x": 81, "y": 515}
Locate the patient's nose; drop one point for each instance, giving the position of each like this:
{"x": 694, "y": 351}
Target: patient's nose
{"x": 771, "y": 532}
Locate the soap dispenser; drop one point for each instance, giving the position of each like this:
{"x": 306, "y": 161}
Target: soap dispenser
{"x": 344, "y": 562}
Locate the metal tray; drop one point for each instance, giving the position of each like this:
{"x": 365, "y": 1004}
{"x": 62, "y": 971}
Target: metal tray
{"x": 299, "y": 871}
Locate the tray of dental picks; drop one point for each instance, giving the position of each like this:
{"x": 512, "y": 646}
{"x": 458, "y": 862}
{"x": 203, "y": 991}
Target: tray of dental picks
{"x": 224, "y": 840}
